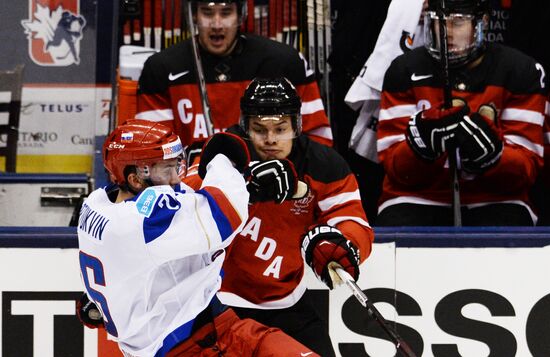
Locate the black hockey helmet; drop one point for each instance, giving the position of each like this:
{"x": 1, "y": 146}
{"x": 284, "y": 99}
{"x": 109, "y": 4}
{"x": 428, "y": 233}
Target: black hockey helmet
{"x": 458, "y": 11}
{"x": 472, "y": 7}
{"x": 271, "y": 96}
{"x": 241, "y": 6}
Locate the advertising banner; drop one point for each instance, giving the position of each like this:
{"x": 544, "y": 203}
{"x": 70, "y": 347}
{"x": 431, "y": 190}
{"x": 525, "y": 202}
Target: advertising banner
{"x": 61, "y": 106}
{"x": 442, "y": 301}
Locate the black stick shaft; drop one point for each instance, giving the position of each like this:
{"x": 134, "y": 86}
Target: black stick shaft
{"x": 447, "y": 101}
{"x": 400, "y": 344}
{"x": 199, "y": 70}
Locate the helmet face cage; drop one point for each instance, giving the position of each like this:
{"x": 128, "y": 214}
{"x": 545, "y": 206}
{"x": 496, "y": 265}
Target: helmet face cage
{"x": 271, "y": 99}
{"x": 466, "y": 27}
{"x": 159, "y": 173}
{"x": 225, "y": 18}
{"x": 140, "y": 143}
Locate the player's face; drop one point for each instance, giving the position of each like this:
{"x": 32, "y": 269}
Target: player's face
{"x": 271, "y": 136}
{"x": 167, "y": 172}
{"x": 460, "y": 33}
{"x": 218, "y": 24}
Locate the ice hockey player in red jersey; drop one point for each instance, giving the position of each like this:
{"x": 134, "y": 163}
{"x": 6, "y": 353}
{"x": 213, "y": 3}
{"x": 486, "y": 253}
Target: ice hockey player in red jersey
{"x": 264, "y": 270}
{"x": 151, "y": 249}
{"x": 168, "y": 90}
{"x": 495, "y": 123}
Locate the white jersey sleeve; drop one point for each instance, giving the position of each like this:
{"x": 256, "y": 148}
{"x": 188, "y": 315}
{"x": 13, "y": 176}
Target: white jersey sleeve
{"x": 212, "y": 216}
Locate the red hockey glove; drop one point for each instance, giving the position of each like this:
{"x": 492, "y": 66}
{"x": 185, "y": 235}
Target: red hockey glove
{"x": 88, "y": 313}
{"x": 478, "y": 140}
{"x": 325, "y": 245}
{"x": 273, "y": 180}
{"x": 227, "y": 144}
{"x": 431, "y": 132}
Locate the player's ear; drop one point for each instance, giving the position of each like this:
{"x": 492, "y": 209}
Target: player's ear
{"x": 135, "y": 182}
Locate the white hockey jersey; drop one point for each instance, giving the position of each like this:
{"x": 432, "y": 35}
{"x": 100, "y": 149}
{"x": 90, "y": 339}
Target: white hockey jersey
{"x": 153, "y": 263}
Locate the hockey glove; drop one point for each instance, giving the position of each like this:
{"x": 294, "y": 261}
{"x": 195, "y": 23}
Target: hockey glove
{"x": 431, "y": 132}
{"x": 88, "y": 313}
{"x": 193, "y": 152}
{"x": 478, "y": 140}
{"x": 227, "y": 144}
{"x": 273, "y": 180}
{"x": 325, "y": 245}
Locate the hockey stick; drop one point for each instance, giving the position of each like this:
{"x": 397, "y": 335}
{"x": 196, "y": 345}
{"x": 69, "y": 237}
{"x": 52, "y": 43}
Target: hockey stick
{"x": 199, "y": 70}
{"x": 400, "y": 344}
{"x": 447, "y": 102}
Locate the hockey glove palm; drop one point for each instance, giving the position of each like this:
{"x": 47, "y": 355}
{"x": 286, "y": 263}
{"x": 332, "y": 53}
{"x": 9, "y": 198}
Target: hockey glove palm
{"x": 431, "y": 132}
{"x": 88, "y": 313}
{"x": 478, "y": 141}
{"x": 273, "y": 180}
{"x": 227, "y": 144}
{"x": 325, "y": 245}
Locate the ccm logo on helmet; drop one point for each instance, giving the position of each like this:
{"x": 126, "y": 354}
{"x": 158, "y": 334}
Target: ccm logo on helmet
{"x": 116, "y": 146}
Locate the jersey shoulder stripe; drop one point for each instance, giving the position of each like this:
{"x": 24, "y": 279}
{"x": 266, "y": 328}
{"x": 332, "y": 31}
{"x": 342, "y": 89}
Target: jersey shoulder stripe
{"x": 158, "y": 205}
{"x": 226, "y": 217}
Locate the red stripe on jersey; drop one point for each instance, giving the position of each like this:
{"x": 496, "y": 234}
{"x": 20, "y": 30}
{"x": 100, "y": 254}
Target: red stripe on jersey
{"x": 361, "y": 236}
{"x": 148, "y": 102}
{"x": 308, "y": 91}
{"x": 225, "y": 205}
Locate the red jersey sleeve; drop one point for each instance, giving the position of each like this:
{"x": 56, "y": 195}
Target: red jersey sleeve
{"x": 339, "y": 205}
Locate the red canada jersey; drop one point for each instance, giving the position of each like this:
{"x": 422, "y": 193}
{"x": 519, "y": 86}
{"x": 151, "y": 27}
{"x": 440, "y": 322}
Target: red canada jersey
{"x": 264, "y": 267}
{"x": 505, "y": 78}
{"x": 168, "y": 90}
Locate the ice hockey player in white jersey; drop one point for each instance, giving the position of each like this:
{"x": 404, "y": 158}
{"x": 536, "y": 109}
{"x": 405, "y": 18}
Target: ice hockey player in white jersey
{"x": 151, "y": 248}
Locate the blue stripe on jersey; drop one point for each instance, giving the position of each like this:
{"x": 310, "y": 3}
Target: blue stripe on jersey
{"x": 179, "y": 189}
{"x": 160, "y": 218}
{"x": 224, "y": 227}
{"x": 175, "y": 337}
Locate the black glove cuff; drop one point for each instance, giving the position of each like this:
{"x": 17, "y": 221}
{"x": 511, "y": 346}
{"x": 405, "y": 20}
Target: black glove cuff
{"x": 311, "y": 238}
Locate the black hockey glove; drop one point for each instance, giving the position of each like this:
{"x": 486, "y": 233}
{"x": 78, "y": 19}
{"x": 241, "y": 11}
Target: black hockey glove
{"x": 273, "y": 180}
{"x": 88, "y": 313}
{"x": 478, "y": 140}
{"x": 193, "y": 152}
{"x": 324, "y": 246}
{"x": 227, "y": 144}
{"x": 431, "y": 132}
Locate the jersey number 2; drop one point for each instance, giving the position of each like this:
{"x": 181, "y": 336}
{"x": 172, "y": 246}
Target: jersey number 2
{"x": 89, "y": 262}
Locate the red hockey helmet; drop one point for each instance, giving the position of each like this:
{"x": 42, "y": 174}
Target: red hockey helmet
{"x": 139, "y": 143}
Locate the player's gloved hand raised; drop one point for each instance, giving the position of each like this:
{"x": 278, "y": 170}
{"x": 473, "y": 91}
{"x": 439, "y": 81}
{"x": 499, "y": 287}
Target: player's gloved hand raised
{"x": 478, "y": 140}
{"x": 273, "y": 180}
{"x": 431, "y": 132}
{"x": 227, "y": 144}
{"x": 88, "y": 313}
{"x": 325, "y": 246}
{"x": 193, "y": 152}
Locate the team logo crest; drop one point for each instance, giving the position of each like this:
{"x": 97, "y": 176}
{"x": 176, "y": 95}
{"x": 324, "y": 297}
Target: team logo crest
{"x": 406, "y": 42}
{"x": 54, "y": 30}
{"x": 302, "y": 205}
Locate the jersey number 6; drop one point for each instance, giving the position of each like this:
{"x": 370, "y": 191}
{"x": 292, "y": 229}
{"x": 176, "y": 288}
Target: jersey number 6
{"x": 89, "y": 262}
